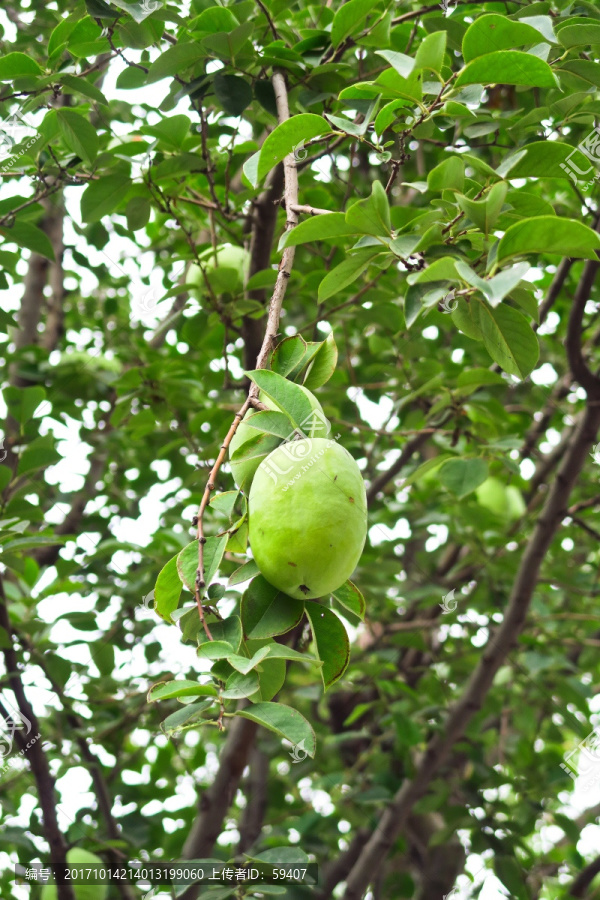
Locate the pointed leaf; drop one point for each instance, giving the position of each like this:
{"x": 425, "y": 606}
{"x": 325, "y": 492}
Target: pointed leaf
{"x": 266, "y": 611}
{"x": 283, "y": 720}
{"x": 167, "y": 590}
{"x": 549, "y": 234}
{"x": 287, "y": 396}
{"x": 288, "y": 354}
{"x": 508, "y": 67}
{"x": 323, "y": 364}
{"x": 167, "y": 690}
{"x": 350, "y": 597}
{"x": 331, "y": 641}
{"x": 462, "y": 476}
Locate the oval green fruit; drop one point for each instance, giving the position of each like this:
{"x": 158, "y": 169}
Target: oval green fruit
{"x": 227, "y": 274}
{"x": 243, "y": 470}
{"x": 307, "y": 517}
{"x": 79, "y": 857}
{"x": 505, "y": 501}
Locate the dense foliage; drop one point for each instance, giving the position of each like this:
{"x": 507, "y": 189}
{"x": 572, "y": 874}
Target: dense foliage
{"x": 415, "y": 192}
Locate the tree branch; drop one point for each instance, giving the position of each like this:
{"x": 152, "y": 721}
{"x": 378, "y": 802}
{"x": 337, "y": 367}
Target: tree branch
{"x": 35, "y": 755}
{"x": 498, "y": 646}
{"x": 579, "y": 368}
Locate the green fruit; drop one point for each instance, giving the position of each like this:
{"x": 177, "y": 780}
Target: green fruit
{"x": 506, "y": 502}
{"x": 227, "y": 274}
{"x": 78, "y": 857}
{"x": 243, "y": 470}
{"x": 308, "y": 517}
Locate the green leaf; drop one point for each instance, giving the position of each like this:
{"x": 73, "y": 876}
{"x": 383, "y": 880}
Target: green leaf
{"x": 549, "y": 234}
{"x": 215, "y": 650}
{"x": 509, "y": 339}
{"x": 287, "y": 396}
{"x": 431, "y": 51}
{"x": 174, "y": 61}
{"x": 495, "y": 32}
{"x": 184, "y": 717}
{"x": 270, "y": 422}
{"x": 283, "y": 720}
{"x": 244, "y": 573}
{"x": 138, "y": 213}
{"x": 266, "y": 611}
{"x": 82, "y": 86}
{"x": 243, "y": 664}
{"x": 23, "y": 402}
{"x": 16, "y": 65}
{"x": 168, "y": 690}
{"x": 331, "y": 641}
{"x": 484, "y": 213}
{"x": 228, "y": 630}
{"x": 288, "y": 354}
{"x": 507, "y": 67}
{"x": 323, "y": 364}
{"x": 39, "y": 454}
{"x": 346, "y": 273}
{"x": 348, "y": 19}
{"x": 103, "y": 196}
{"x": 320, "y": 228}
{"x": 580, "y": 35}
{"x": 442, "y": 269}
{"x": 167, "y": 590}
{"x": 280, "y": 651}
{"x": 545, "y": 159}
{"x": 25, "y": 235}
{"x": 233, "y": 93}
{"x": 79, "y": 135}
{"x": 289, "y": 137}
{"x": 462, "y": 476}
{"x": 371, "y": 216}
{"x": 350, "y": 597}
{"x": 426, "y": 467}
{"x": 403, "y": 64}
{"x": 224, "y": 502}
{"x": 187, "y": 560}
{"x": 171, "y": 131}
{"x": 239, "y": 685}
{"x": 449, "y": 175}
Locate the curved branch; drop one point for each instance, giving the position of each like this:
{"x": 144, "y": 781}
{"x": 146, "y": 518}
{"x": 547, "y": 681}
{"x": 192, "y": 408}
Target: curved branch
{"x": 586, "y": 378}
{"x": 496, "y": 651}
{"x": 36, "y": 756}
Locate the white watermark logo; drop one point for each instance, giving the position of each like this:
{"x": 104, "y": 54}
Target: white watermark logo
{"x": 449, "y": 302}
{"x": 448, "y": 603}
{"x": 590, "y": 147}
{"x": 16, "y": 721}
{"x": 148, "y": 602}
{"x": 3, "y": 452}
{"x": 584, "y": 761}
{"x": 316, "y": 425}
{"x": 298, "y": 752}
{"x": 446, "y": 5}
{"x": 14, "y": 131}
{"x": 299, "y": 151}
{"x": 595, "y": 454}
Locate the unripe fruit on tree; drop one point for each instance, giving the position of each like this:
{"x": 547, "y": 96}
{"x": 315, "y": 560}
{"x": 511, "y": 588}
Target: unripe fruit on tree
{"x": 504, "y": 501}
{"x": 244, "y": 469}
{"x": 78, "y": 857}
{"x": 228, "y": 274}
{"x": 307, "y": 517}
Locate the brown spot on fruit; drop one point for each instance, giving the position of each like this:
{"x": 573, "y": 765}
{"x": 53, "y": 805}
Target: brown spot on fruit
{"x": 351, "y": 499}
{"x": 335, "y": 479}
{"x": 304, "y": 588}
{"x": 292, "y": 564}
